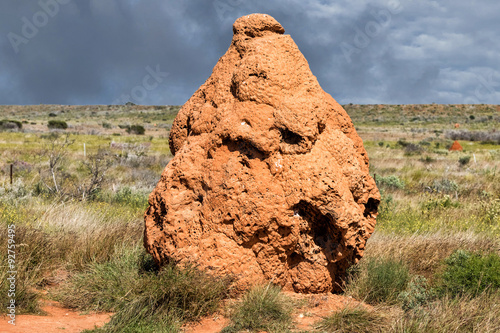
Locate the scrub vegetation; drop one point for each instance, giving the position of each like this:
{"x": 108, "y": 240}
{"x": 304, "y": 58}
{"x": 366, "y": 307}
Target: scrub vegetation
{"x": 78, "y": 195}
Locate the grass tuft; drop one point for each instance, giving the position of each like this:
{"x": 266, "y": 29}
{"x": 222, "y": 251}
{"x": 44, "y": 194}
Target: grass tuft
{"x": 263, "y": 308}
{"x": 378, "y": 280}
{"x": 353, "y": 319}
{"x": 130, "y": 285}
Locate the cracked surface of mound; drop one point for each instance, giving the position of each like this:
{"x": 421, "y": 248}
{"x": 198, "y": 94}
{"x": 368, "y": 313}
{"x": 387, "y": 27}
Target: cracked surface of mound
{"x": 269, "y": 179}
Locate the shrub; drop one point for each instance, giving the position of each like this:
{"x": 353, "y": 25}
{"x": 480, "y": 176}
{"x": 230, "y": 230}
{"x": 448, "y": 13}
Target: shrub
{"x": 470, "y": 273}
{"x": 136, "y": 129}
{"x": 130, "y": 198}
{"x": 10, "y": 124}
{"x": 411, "y": 149}
{"x": 437, "y": 203}
{"x": 263, "y": 308}
{"x": 428, "y": 159}
{"x": 402, "y": 142}
{"x": 464, "y": 160}
{"x": 386, "y": 206}
{"x": 482, "y": 136}
{"x": 444, "y": 185}
{"x": 57, "y": 124}
{"x": 416, "y": 295}
{"x": 390, "y": 182}
{"x": 106, "y": 125}
{"x": 378, "y": 280}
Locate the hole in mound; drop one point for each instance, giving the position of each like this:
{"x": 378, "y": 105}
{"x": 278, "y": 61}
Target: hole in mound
{"x": 321, "y": 128}
{"x": 294, "y": 259}
{"x": 261, "y": 75}
{"x": 371, "y": 207}
{"x": 245, "y": 148}
{"x": 289, "y": 137}
{"x": 319, "y": 235}
{"x": 250, "y": 34}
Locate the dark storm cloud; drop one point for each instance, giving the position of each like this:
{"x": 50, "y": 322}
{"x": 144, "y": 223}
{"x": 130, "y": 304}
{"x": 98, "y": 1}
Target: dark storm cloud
{"x": 97, "y": 51}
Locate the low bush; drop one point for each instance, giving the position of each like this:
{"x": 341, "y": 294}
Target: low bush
{"x": 427, "y": 159}
{"x": 390, "y": 182}
{"x": 402, "y": 142}
{"x": 412, "y": 148}
{"x": 130, "y": 198}
{"x": 57, "y": 124}
{"x": 417, "y": 294}
{"x": 482, "y": 136}
{"x": 263, "y": 308}
{"x": 7, "y": 124}
{"x": 438, "y": 203}
{"x": 443, "y": 186}
{"x": 464, "y": 160}
{"x": 136, "y": 129}
{"x": 470, "y": 273}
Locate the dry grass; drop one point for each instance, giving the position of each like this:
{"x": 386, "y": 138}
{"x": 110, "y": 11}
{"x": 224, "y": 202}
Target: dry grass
{"x": 443, "y": 206}
{"x": 423, "y": 253}
{"x": 465, "y": 314}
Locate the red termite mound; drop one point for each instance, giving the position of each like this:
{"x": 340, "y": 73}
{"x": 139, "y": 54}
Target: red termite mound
{"x": 456, "y": 146}
{"x": 269, "y": 180}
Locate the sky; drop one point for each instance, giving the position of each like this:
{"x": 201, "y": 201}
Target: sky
{"x": 158, "y": 52}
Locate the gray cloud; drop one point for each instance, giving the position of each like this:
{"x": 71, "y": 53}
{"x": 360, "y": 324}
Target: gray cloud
{"x": 93, "y": 52}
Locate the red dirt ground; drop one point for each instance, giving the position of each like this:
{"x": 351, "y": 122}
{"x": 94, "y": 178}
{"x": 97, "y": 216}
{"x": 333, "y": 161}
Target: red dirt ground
{"x": 311, "y": 309}
{"x": 58, "y": 319}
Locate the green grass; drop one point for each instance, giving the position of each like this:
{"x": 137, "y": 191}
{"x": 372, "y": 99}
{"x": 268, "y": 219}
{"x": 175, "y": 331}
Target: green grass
{"x": 432, "y": 206}
{"x": 470, "y": 273}
{"x": 377, "y": 281}
{"x": 130, "y": 285}
{"x": 263, "y": 308}
{"x": 353, "y": 319}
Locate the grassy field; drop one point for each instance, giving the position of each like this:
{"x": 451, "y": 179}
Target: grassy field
{"x": 78, "y": 197}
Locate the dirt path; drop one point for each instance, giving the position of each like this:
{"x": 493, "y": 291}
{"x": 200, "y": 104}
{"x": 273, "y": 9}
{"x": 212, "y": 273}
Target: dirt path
{"x": 58, "y": 319}
{"x": 311, "y": 309}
